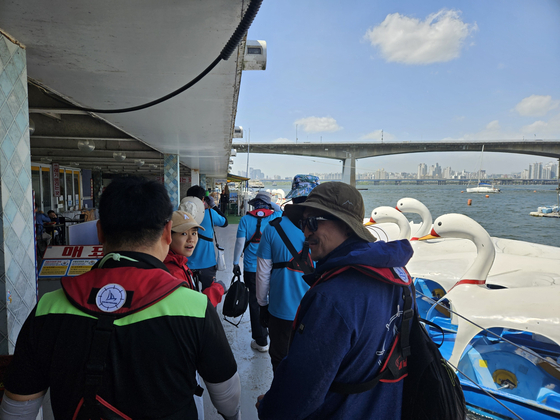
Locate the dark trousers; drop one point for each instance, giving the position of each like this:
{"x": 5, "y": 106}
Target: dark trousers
{"x": 280, "y": 331}
{"x": 258, "y": 333}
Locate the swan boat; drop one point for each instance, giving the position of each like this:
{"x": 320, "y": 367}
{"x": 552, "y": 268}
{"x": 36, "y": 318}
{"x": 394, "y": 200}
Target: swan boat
{"x": 504, "y": 342}
{"x": 441, "y": 261}
{"x": 379, "y": 223}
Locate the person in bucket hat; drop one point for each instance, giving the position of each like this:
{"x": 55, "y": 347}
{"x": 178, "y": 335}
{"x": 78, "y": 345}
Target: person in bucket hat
{"x": 348, "y": 320}
{"x": 262, "y": 199}
{"x": 249, "y": 233}
{"x": 280, "y": 284}
{"x": 301, "y": 187}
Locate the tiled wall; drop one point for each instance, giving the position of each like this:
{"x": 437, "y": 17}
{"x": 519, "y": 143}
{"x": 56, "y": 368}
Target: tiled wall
{"x": 18, "y": 284}
{"x": 171, "y": 178}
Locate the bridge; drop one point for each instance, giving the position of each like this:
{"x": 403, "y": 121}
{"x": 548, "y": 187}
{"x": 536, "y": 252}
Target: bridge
{"x": 349, "y": 152}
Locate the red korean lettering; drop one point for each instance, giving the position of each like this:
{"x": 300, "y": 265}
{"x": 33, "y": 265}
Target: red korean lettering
{"x": 97, "y": 252}
{"x": 77, "y": 252}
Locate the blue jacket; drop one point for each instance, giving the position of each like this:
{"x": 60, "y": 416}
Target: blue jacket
{"x": 287, "y": 286}
{"x": 344, "y": 328}
{"x": 41, "y": 218}
{"x": 204, "y": 255}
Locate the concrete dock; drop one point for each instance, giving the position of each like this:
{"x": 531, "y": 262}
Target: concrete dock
{"x": 255, "y": 369}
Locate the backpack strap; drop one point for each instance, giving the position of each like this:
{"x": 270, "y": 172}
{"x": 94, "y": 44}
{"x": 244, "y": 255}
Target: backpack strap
{"x": 256, "y": 238}
{"x": 299, "y": 262}
{"x": 395, "y": 366}
{"x": 204, "y": 238}
{"x": 95, "y": 367}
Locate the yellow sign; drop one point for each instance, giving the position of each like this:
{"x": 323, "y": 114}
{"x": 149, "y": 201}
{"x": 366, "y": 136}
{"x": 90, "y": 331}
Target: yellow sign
{"x": 54, "y": 268}
{"x": 80, "y": 267}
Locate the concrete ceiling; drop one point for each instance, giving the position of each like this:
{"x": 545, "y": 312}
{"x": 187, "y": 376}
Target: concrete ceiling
{"x": 116, "y": 54}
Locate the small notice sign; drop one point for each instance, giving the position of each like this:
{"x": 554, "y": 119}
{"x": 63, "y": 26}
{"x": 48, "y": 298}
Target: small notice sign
{"x": 72, "y": 260}
{"x": 54, "y": 268}
{"x": 78, "y": 267}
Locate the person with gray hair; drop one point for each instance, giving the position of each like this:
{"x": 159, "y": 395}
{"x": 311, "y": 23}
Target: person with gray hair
{"x": 349, "y": 319}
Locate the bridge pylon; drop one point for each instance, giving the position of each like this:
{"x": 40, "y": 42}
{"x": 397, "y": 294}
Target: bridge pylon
{"x": 349, "y": 170}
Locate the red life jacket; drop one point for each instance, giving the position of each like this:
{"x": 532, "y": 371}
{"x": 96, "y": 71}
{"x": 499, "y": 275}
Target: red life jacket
{"x": 259, "y": 214}
{"x": 96, "y": 293}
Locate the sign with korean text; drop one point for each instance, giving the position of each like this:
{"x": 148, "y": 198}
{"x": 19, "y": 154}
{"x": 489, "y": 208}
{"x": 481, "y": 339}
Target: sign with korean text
{"x": 56, "y": 179}
{"x": 72, "y": 260}
{"x": 74, "y": 251}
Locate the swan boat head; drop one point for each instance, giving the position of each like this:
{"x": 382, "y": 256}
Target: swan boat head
{"x": 386, "y": 214}
{"x": 412, "y": 205}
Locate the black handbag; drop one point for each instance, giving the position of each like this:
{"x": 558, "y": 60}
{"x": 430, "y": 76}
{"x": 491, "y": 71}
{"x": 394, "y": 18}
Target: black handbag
{"x": 236, "y": 301}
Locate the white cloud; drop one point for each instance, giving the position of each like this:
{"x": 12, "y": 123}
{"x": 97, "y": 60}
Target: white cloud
{"x": 439, "y": 38}
{"x": 543, "y": 129}
{"x": 318, "y": 124}
{"x": 493, "y": 126}
{"x": 376, "y": 135}
{"x": 546, "y": 130}
{"x": 536, "y": 106}
{"x": 282, "y": 140}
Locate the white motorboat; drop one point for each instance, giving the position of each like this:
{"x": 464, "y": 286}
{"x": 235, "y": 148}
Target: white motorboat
{"x": 483, "y": 188}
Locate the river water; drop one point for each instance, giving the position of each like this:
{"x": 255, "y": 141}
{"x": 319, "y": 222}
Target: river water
{"x": 504, "y": 215}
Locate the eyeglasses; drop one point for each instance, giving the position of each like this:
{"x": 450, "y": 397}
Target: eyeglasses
{"x": 311, "y": 222}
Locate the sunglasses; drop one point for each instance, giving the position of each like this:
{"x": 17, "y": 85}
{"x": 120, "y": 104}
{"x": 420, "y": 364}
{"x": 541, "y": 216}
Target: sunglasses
{"x": 312, "y": 222}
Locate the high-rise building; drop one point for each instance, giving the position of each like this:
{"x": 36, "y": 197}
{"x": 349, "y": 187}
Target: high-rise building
{"x": 422, "y": 170}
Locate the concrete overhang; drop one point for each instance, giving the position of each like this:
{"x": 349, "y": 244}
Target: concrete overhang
{"x": 107, "y": 54}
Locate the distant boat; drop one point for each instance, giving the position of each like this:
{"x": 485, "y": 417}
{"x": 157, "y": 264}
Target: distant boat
{"x": 274, "y": 184}
{"x": 256, "y": 184}
{"x": 482, "y": 187}
{"x": 548, "y": 211}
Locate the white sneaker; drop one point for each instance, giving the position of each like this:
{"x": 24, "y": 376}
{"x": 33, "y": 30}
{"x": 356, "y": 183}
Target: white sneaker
{"x": 255, "y": 346}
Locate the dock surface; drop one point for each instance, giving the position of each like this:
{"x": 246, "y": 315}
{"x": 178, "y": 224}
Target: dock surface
{"x": 255, "y": 369}
{"x": 538, "y": 214}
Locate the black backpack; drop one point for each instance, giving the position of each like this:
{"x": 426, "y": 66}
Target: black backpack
{"x": 236, "y": 301}
{"x": 431, "y": 389}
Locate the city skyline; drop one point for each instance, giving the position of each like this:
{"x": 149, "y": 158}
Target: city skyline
{"x": 536, "y": 170}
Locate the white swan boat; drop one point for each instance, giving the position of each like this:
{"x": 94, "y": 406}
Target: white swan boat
{"x": 504, "y": 341}
{"x": 412, "y": 205}
{"x": 442, "y": 261}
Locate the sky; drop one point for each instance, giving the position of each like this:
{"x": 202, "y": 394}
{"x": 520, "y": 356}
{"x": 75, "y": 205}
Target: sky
{"x": 415, "y": 70}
